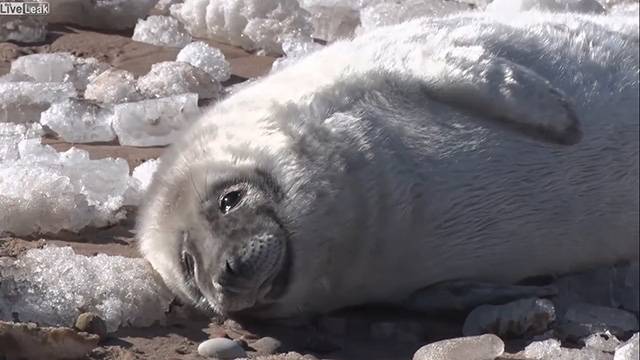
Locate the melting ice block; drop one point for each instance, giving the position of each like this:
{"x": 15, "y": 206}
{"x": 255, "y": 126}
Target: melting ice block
{"x": 176, "y": 77}
{"x": 162, "y": 31}
{"x": 28, "y": 29}
{"x": 52, "y": 286}
{"x": 99, "y": 14}
{"x": 250, "y": 24}
{"x": 11, "y": 134}
{"x": 58, "y": 67}
{"x": 140, "y": 181}
{"x": 333, "y": 19}
{"x": 23, "y": 101}
{"x": 112, "y": 86}
{"x": 579, "y": 6}
{"x": 44, "y": 191}
{"x": 390, "y": 13}
{"x": 294, "y": 50}
{"x": 154, "y": 122}
{"x": 207, "y": 58}
{"x": 79, "y": 121}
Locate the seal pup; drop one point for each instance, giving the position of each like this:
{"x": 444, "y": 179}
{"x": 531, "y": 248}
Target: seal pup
{"x": 468, "y": 148}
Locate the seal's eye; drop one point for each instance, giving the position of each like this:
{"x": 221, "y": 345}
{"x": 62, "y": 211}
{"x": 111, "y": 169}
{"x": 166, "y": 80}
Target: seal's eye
{"x": 230, "y": 200}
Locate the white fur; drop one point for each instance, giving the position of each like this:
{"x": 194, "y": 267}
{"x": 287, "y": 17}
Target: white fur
{"x": 390, "y": 187}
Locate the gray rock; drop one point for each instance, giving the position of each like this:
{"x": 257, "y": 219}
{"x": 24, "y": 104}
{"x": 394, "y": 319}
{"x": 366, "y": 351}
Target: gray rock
{"x": 266, "y": 345}
{"x": 484, "y": 347}
{"x": 221, "y": 348}
{"x": 629, "y": 350}
{"x": 613, "y": 286}
{"x": 582, "y": 319}
{"x": 92, "y": 323}
{"x": 527, "y": 316}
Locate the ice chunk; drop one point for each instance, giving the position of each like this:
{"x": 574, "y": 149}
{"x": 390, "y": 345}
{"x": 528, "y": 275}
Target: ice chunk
{"x": 99, "y": 14}
{"x": 112, "y": 86}
{"x": 162, "y": 7}
{"x": 629, "y": 350}
{"x": 162, "y": 31}
{"x": 390, "y": 13}
{"x": 22, "y": 102}
{"x": 294, "y": 50}
{"x": 52, "y": 286}
{"x": 140, "y": 181}
{"x": 483, "y": 347}
{"x": 28, "y": 29}
{"x": 250, "y": 24}
{"x": 44, "y": 67}
{"x": 579, "y": 6}
{"x": 11, "y": 134}
{"x": 154, "y": 122}
{"x": 331, "y": 23}
{"x": 45, "y": 191}
{"x": 58, "y": 67}
{"x": 625, "y": 9}
{"x": 79, "y": 121}
{"x": 13, "y": 77}
{"x": 207, "y": 58}
{"x": 176, "y": 77}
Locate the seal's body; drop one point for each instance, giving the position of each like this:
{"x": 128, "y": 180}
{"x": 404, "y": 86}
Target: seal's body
{"x": 470, "y": 147}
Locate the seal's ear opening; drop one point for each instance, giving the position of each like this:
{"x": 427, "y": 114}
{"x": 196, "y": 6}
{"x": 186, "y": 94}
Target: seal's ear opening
{"x": 510, "y": 95}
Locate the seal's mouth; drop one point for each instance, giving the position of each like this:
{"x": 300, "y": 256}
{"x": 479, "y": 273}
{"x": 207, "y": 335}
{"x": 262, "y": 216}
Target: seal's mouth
{"x": 235, "y": 297}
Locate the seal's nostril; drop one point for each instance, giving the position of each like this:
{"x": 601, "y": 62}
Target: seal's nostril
{"x": 228, "y": 268}
{"x": 188, "y": 263}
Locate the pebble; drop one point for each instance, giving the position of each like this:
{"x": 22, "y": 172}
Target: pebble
{"x": 221, "y": 348}
{"x": 629, "y": 350}
{"x": 528, "y": 316}
{"x": 93, "y": 324}
{"x": 266, "y": 345}
{"x": 483, "y": 347}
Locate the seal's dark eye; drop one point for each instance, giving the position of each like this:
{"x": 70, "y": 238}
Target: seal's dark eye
{"x": 230, "y": 200}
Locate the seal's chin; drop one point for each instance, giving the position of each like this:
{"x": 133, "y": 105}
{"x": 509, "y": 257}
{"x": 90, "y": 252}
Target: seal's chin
{"x": 246, "y": 300}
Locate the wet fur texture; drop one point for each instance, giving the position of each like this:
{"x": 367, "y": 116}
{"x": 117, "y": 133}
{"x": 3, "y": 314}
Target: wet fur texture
{"x": 471, "y": 147}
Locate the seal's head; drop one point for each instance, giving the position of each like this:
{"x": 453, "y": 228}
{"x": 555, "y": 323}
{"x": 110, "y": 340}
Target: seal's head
{"x": 215, "y": 235}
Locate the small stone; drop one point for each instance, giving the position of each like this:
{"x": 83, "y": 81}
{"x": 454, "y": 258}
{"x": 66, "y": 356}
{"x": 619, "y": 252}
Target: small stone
{"x": 527, "y": 316}
{"x": 266, "y": 345}
{"x": 93, "y": 324}
{"x": 221, "y": 348}
{"x": 629, "y": 350}
{"x": 483, "y": 347}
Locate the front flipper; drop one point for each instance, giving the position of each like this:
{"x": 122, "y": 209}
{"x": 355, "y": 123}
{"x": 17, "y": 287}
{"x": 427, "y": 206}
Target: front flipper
{"x": 497, "y": 89}
{"x": 466, "y": 295}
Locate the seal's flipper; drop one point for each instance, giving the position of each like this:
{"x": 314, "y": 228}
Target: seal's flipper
{"x": 467, "y": 295}
{"x": 496, "y": 88}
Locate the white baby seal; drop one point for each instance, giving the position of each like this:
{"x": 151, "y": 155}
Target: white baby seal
{"x": 465, "y": 148}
